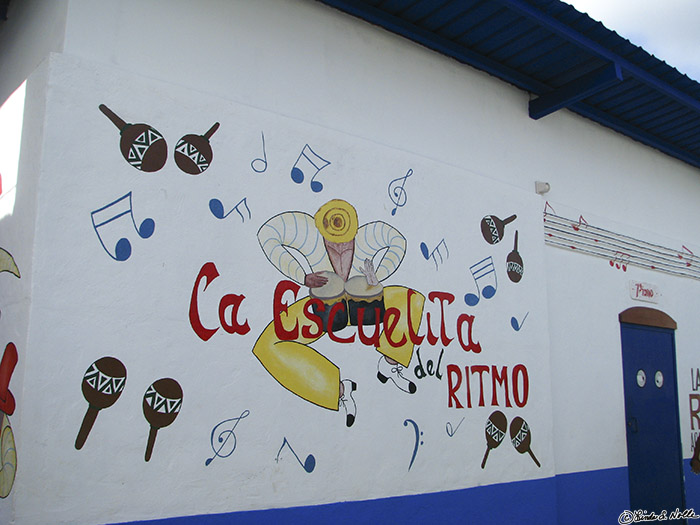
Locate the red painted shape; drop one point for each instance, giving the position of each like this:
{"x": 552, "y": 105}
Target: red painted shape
{"x": 7, "y": 366}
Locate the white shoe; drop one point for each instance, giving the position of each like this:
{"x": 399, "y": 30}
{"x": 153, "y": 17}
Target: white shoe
{"x": 348, "y": 402}
{"x": 386, "y": 371}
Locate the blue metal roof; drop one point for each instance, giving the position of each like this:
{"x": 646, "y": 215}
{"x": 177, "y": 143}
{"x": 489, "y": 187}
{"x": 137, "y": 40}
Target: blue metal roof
{"x": 560, "y": 55}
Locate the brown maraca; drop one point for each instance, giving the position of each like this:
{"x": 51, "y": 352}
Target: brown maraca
{"x": 193, "y": 152}
{"x": 492, "y": 228}
{"x": 141, "y": 145}
{"x": 514, "y": 263}
{"x": 161, "y": 405}
{"x": 102, "y": 385}
{"x": 496, "y": 426}
{"x": 520, "y": 436}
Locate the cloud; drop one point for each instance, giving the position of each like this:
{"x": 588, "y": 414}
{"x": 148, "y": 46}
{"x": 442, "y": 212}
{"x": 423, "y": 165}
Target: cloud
{"x": 668, "y": 29}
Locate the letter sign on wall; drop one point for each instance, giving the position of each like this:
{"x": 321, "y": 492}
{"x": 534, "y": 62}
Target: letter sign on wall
{"x": 649, "y": 293}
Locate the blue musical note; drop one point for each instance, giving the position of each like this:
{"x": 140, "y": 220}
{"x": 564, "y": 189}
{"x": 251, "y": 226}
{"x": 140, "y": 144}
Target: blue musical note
{"x": 262, "y": 160}
{"x": 397, "y": 192}
{"x": 104, "y": 221}
{"x": 428, "y": 254}
{"x": 217, "y": 208}
{"x": 518, "y": 325}
{"x": 485, "y": 270}
{"x": 450, "y": 431}
{"x": 309, "y": 463}
{"x": 418, "y": 441}
{"x": 308, "y": 161}
{"x": 224, "y": 437}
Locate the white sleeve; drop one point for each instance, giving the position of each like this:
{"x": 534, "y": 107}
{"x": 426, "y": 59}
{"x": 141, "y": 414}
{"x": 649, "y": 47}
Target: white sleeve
{"x": 374, "y": 237}
{"x": 296, "y": 231}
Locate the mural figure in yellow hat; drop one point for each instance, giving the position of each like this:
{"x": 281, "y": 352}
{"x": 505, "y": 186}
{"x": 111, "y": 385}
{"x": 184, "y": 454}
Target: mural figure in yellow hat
{"x": 340, "y": 262}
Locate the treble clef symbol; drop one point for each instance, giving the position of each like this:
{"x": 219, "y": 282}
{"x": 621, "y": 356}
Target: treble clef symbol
{"x": 397, "y": 192}
{"x": 223, "y": 437}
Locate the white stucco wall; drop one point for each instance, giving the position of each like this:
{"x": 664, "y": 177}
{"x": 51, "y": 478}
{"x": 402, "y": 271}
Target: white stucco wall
{"x": 298, "y": 69}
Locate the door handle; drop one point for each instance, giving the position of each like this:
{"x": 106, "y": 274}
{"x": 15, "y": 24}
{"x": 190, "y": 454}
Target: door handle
{"x": 632, "y": 425}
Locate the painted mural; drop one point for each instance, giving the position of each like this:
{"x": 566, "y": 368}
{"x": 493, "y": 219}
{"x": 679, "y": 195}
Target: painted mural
{"x": 8, "y": 450}
{"x": 306, "y": 304}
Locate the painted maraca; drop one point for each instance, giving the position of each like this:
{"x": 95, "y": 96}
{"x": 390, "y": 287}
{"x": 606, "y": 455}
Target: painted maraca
{"x": 520, "y": 436}
{"x": 492, "y": 228}
{"x": 161, "y": 405}
{"x": 496, "y": 426}
{"x": 102, "y": 385}
{"x": 141, "y": 145}
{"x": 193, "y": 152}
{"x": 514, "y": 263}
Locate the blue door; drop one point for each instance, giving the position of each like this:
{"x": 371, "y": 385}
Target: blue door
{"x": 654, "y": 455}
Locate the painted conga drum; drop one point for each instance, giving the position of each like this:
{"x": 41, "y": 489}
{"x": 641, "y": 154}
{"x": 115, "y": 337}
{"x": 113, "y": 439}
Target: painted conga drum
{"x": 331, "y": 294}
{"x": 370, "y": 298}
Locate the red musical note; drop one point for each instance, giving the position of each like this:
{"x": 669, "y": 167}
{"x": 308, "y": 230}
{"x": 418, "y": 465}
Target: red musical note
{"x": 581, "y": 222}
{"x": 690, "y": 259}
{"x": 620, "y": 261}
{"x": 547, "y": 205}
{"x": 544, "y": 219}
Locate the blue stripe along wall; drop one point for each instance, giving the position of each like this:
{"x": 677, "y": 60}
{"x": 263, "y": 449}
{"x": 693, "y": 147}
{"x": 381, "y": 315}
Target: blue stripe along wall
{"x": 582, "y": 498}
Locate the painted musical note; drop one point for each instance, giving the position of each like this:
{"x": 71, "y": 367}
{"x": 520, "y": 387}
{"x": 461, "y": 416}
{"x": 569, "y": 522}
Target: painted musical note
{"x": 546, "y": 206}
{"x": 518, "y": 325}
{"x": 427, "y": 255}
{"x": 686, "y": 257}
{"x": 582, "y": 223}
{"x": 260, "y": 161}
{"x": 309, "y": 463}
{"x": 418, "y": 440}
{"x": 397, "y": 192}
{"x": 620, "y": 261}
{"x": 309, "y": 161}
{"x": 450, "y": 431}
{"x": 484, "y": 274}
{"x": 544, "y": 217}
{"x": 217, "y": 209}
{"x": 107, "y": 226}
{"x": 224, "y": 436}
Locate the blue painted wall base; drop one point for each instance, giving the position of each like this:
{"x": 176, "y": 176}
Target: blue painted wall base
{"x": 580, "y": 498}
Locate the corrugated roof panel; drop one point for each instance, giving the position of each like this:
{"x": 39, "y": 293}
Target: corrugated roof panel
{"x": 574, "y": 71}
{"x": 542, "y": 45}
{"x": 447, "y": 15}
{"x": 420, "y": 10}
{"x": 666, "y": 113}
{"x": 548, "y": 68}
{"x": 473, "y": 18}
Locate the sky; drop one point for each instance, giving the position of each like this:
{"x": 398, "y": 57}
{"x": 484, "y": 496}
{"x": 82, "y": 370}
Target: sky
{"x": 668, "y": 29}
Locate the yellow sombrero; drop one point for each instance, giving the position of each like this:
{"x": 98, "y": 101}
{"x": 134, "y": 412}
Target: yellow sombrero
{"x": 337, "y": 221}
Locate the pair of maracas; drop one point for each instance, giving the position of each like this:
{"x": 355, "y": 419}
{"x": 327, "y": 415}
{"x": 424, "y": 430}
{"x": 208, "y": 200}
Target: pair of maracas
{"x": 145, "y": 148}
{"x": 492, "y": 229}
{"x": 104, "y": 382}
{"x": 520, "y": 436}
